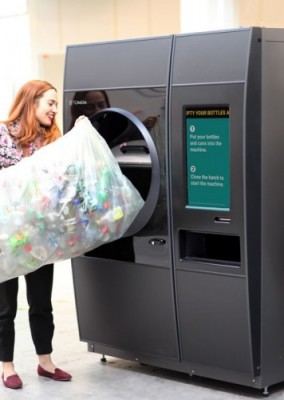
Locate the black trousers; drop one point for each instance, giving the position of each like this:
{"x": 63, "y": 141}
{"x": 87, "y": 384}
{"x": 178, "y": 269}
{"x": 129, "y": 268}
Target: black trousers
{"x": 39, "y": 290}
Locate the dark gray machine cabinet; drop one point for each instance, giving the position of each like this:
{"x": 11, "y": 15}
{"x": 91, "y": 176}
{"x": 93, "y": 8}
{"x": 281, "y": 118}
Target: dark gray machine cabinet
{"x": 226, "y": 170}
{"x": 124, "y": 290}
{"x": 198, "y": 288}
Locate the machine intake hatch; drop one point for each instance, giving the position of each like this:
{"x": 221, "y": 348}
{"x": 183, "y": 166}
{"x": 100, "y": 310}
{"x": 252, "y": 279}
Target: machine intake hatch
{"x": 135, "y": 151}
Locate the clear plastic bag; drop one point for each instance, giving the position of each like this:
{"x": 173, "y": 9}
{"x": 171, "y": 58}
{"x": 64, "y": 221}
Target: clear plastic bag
{"x": 69, "y": 197}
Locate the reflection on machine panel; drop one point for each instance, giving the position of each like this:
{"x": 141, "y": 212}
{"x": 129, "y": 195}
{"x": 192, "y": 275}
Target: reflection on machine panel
{"x": 130, "y": 149}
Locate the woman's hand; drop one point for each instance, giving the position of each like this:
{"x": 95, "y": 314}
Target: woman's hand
{"x": 79, "y": 119}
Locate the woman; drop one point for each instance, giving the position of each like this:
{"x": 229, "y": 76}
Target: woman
{"x": 30, "y": 125}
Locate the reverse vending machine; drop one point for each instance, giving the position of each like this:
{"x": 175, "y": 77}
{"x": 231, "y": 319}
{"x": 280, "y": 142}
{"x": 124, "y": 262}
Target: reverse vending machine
{"x": 124, "y": 290}
{"x": 196, "y": 122}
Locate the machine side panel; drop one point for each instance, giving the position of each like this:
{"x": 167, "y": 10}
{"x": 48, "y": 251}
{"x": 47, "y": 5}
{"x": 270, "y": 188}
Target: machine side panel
{"x": 272, "y": 207}
{"x": 216, "y": 322}
{"x": 211, "y": 57}
{"x": 120, "y": 64}
{"x": 125, "y": 306}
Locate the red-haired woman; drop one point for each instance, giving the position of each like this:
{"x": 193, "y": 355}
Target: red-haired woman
{"x": 30, "y": 125}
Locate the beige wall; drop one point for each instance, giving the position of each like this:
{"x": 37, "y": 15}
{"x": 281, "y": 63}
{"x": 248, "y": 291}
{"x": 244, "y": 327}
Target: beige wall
{"x": 264, "y": 13}
{"x": 57, "y": 23}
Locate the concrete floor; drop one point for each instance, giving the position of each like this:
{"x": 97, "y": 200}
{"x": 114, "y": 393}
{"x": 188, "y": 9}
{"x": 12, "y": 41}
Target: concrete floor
{"x": 115, "y": 380}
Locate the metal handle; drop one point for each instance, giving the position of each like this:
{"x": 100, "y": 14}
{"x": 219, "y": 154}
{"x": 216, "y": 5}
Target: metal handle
{"x": 125, "y": 147}
{"x": 157, "y": 242}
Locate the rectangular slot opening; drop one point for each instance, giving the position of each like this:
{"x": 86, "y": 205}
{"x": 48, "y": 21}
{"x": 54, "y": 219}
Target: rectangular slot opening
{"x": 210, "y": 248}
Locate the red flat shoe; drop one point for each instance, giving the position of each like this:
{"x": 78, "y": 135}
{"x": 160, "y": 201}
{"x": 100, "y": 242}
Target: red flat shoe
{"x": 12, "y": 382}
{"x": 57, "y": 375}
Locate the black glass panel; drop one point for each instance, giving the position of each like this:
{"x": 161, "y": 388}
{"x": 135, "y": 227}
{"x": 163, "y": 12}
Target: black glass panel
{"x": 128, "y": 145}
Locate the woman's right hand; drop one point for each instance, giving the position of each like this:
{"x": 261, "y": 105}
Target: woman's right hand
{"x": 79, "y": 119}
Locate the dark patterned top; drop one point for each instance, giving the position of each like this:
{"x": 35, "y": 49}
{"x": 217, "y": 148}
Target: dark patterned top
{"x": 10, "y": 153}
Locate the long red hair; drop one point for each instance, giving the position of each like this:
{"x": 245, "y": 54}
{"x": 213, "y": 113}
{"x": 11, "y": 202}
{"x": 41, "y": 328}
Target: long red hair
{"x": 23, "y": 110}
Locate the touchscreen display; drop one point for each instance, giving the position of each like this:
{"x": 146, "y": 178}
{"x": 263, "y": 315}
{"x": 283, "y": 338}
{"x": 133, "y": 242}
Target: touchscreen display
{"x": 207, "y": 131}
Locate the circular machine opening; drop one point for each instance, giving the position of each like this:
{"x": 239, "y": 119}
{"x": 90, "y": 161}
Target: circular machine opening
{"x": 135, "y": 151}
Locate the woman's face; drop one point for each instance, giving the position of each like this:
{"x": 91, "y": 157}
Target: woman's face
{"x": 46, "y": 107}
